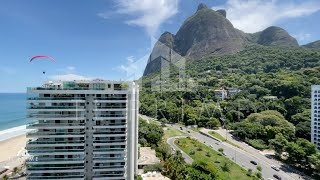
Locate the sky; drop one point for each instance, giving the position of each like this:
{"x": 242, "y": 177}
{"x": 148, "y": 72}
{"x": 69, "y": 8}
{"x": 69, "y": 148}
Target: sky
{"x": 112, "y": 39}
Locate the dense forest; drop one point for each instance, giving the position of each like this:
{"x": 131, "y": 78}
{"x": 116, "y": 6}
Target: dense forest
{"x": 272, "y": 110}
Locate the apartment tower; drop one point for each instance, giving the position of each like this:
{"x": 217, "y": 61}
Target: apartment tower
{"x": 315, "y": 115}
{"x": 83, "y": 130}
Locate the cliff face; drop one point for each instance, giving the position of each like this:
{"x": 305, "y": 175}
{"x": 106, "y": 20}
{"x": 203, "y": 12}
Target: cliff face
{"x": 205, "y": 33}
{"x": 208, "y": 33}
{"x": 276, "y": 36}
{"x": 315, "y": 44}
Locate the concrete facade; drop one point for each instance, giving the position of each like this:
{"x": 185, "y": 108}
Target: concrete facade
{"x": 83, "y": 130}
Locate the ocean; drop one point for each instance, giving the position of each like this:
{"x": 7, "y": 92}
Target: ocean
{"x": 12, "y": 115}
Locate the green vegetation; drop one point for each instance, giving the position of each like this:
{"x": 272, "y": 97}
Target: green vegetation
{"x": 224, "y": 168}
{"x": 274, "y": 101}
{"x": 154, "y": 167}
{"x": 149, "y": 134}
{"x": 171, "y": 132}
{"x": 196, "y": 129}
{"x": 259, "y": 168}
{"x": 218, "y": 136}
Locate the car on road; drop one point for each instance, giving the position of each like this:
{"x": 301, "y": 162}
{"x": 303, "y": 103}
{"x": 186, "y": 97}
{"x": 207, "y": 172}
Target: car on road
{"x": 277, "y": 177}
{"x": 253, "y": 162}
{"x": 275, "y": 168}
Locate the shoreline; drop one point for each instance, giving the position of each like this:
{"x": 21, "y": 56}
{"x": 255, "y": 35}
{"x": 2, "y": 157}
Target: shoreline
{"x": 8, "y": 134}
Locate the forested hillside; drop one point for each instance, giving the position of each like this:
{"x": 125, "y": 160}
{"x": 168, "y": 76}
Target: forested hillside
{"x": 271, "y": 111}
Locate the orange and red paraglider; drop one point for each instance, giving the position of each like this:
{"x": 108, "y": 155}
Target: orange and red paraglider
{"x": 44, "y": 57}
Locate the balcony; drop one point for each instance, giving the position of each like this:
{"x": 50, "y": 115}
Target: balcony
{"x": 53, "y": 116}
{"x": 110, "y": 108}
{"x": 55, "y": 108}
{"x": 56, "y": 126}
{"x": 106, "y": 150}
{"x": 109, "y": 159}
{"x": 54, "y": 134}
{"x": 109, "y": 126}
{"x": 54, "y": 161}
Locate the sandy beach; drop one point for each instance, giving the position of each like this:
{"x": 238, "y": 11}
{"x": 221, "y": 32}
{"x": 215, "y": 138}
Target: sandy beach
{"x": 12, "y": 151}
{"x": 12, "y": 147}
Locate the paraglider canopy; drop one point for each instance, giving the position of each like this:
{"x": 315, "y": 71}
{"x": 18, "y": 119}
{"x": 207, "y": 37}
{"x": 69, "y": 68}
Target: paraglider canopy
{"x": 37, "y": 57}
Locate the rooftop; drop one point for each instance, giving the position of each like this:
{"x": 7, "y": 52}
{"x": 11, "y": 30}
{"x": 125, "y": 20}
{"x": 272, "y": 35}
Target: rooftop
{"x": 97, "y": 84}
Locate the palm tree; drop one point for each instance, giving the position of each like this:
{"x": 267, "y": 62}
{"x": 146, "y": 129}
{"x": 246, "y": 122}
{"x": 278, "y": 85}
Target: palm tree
{"x": 15, "y": 170}
{"x": 5, "y": 177}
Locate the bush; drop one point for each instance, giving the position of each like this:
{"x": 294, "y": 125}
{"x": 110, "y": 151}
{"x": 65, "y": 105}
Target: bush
{"x": 249, "y": 173}
{"x": 257, "y": 143}
{"x": 259, "y": 168}
{"x": 199, "y": 148}
{"x": 225, "y": 167}
{"x": 154, "y": 167}
{"x": 220, "y": 150}
{"x": 192, "y": 152}
{"x": 208, "y": 154}
{"x": 259, "y": 175}
{"x": 138, "y": 177}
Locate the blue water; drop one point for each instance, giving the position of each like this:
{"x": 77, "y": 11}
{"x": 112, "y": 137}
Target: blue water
{"x": 12, "y": 110}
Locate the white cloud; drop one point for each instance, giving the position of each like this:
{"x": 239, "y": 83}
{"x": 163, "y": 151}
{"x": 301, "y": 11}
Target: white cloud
{"x": 256, "y": 15}
{"x": 71, "y": 68}
{"x": 133, "y": 69}
{"x": 302, "y": 37}
{"x": 149, "y": 14}
{"x": 69, "y": 77}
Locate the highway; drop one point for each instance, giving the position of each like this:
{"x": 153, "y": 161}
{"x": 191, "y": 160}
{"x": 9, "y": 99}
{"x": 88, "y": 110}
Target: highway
{"x": 241, "y": 157}
{"x": 171, "y": 140}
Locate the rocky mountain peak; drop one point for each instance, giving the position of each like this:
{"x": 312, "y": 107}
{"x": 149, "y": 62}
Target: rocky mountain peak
{"x": 202, "y": 6}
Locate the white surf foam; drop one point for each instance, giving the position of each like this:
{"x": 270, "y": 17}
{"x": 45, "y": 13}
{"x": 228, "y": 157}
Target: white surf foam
{"x": 12, "y": 132}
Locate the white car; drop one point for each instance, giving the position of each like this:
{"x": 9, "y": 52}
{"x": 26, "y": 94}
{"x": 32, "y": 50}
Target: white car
{"x": 275, "y": 168}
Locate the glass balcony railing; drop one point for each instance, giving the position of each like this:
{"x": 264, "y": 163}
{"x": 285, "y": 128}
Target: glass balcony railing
{"x": 110, "y": 115}
{"x": 56, "y": 107}
{"x": 110, "y": 132}
{"x": 109, "y": 141}
{"x": 57, "y": 142}
{"x": 109, "y": 158}
{"x": 55, "y": 176}
{"x": 111, "y": 124}
{"x": 110, "y": 107}
{"x": 53, "y": 133}
{"x": 55, "y": 116}
{"x": 76, "y": 88}
{"x": 110, "y": 98}
{"x": 53, "y": 159}
{"x": 56, "y": 151}
{"x": 108, "y": 167}
{"x": 54, "y": 124}
{"x": 107, "y": 150}
{"x": 54, "y": 168}
{"x": 56, "y": 98}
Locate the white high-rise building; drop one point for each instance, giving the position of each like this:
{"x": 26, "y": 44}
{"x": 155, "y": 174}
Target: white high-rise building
{"x": 315, "y": 115}
{"x": 83, "y": 130}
